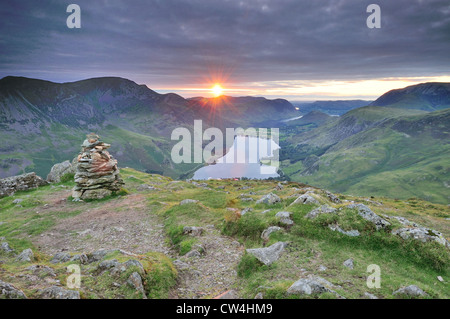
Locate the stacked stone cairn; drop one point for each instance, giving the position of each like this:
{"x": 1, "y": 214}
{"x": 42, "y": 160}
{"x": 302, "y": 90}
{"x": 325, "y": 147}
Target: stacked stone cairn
{"x": 97, "y": 175}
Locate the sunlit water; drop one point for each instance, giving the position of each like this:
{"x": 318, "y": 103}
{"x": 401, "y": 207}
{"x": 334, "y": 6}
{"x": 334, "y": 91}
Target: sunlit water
{"x": 243, "y": 160}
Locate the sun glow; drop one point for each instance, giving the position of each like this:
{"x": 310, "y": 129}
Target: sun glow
{"x": 217, "y": 90}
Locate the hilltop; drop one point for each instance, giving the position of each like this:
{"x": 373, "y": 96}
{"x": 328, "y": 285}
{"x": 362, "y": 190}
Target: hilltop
{"x": 160, "y": 238}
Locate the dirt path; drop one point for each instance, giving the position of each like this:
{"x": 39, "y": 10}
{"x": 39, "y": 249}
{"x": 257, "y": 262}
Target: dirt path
{"x": 127, "y": 224}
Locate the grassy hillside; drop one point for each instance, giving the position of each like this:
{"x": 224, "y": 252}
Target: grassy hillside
{"x": 47, "y": 222}
{"x": 378, "y": 151}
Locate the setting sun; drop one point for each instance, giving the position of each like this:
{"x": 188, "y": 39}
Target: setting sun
{"x": 217, "y": 90}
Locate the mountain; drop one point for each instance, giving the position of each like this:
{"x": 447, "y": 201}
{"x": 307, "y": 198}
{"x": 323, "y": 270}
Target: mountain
{"x": 429, "y": 96}
{"x": 377, "y": 150}
{"x": 338, "y": 107}
{"x": 42, "y": 123}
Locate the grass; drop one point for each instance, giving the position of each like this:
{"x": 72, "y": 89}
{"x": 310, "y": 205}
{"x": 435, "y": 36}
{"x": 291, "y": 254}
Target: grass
{"x": 310, "y": 242}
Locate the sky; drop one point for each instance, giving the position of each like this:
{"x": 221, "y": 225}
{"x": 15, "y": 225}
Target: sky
{"x": 294, "y": 49}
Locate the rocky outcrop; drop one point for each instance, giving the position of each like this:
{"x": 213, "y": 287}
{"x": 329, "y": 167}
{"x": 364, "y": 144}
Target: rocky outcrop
{"x": 269, "y": 254}
{"x": 366, "y": 213}
{"x": 422, "y": 234}
{"x": 410, "y": 291}
{"x": 26, "y": 256}
{"x": 97, "y": 175}
{"x": 269, "y": 199}
{"x": 10, "y": 185}
{"x": 58, "y": 170}
{"x": 285, "y": 218}
{"x": 55, "y": 292}
{"x": 311, "y": 285}
{"x": 8, "y": 291}
{"x": 324, "y": 209}
{"x": 306, "y": 198}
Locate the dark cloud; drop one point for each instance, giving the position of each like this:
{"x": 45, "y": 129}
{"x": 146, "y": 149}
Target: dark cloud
{"x": 177, "y": 43}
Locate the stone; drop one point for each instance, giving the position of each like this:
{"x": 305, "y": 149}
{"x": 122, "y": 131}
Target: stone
{"x": 422, "y": 234}
{"x": 259, "y": 295}
{"x": 285, "y": 218}
{"x": 26, "y": 256}
{"x": 440, "y": 278}
{"x": 55, "y": 292}
{"x": 366, "y": 213}
{"x": 269, "y": 199}
{"x": 410, "y": 291}
{"x": 135, "y": 263}
{"x": 188, "y": 201}
{"x": 97, "y": 174}
{"x": 135, "y": 281}
{"x": 144, "y": 187}
{"x": 322, "y": 268}
{"x": 60, "y": 258}
{"x": 193, "y": 231}
{"x": 333, "y": 198}
{"x": 58, "y": 170}
{"x": 324, "y": 209}
{"x": 8, "y": 291}
{"x": 269, "y": 254}
{"x": 108, "y": 264}
{"x": 349, "y": 263}
{"x": 306, "y": 199}
{"x": 351, "y": 233}
{"x": 17, "y": 201}
{"x": 266, "y": 233}
{"x": 180, "y": 265}
{"x": 6, "y": 248}
{"x": 309, "y": 286}
{"x": 96, "y": 193}
{"x": 370, "y": 296}
{"x": 246, "y": 210}
{"x": 10, "y": 185}
{"x": 99, "y": 255}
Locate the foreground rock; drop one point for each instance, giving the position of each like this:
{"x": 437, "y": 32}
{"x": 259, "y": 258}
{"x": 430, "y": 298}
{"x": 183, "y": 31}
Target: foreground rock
{"x": 97, "y": 175}
{"x": 58, "y": 170}
{"x": 10, "y": 185}
{"x": 410, "y": 291}
{"x": 311, "y": 285}
{"x": 269, "y": 199}
{"x": 269, "y": 254}
{"x": 366, "y": 213}
{"x": 55, "y": 292}
{"x": 26, "y": 256}
{"x": 422, "y": 234}
{"x": 8, "y": 291}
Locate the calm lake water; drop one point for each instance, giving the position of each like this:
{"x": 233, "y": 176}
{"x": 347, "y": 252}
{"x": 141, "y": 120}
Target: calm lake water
{"x": 243, "y": 160}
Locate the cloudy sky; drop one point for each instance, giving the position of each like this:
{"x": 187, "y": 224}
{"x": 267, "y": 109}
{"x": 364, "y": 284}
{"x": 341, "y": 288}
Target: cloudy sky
{"x": 296, "y": 49}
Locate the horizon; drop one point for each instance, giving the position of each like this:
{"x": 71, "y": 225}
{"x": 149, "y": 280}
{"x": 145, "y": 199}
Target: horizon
{"x": 296, "y": 50}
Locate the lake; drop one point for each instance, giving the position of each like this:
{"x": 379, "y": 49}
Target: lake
{"x": 243, "y": 159}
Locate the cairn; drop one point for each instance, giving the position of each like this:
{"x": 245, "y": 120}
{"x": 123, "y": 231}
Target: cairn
{"x": 96, "y": 174}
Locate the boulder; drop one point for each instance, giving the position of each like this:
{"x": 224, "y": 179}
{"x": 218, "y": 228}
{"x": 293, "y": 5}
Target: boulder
{"x": 285, "y": 218}
{"x": 422, "y": 234}
{"x": 309, "y": 286}
{"x": 366, "y": 213}
{"x": 351, "y": 233}
{"x": 26, "y": 256}
{"x": 8, "y": 291}
{"x": 192, "y": 230}
{"x": 269, "y": 254}
{"x": 306, "y": 199}
{"x": 6, "y": 248}
{"x": 58, "y": 170}
{"x": 348, "y": 263}
{"x": 55, "y": 292}
{"x": 269, "y": 199}
{"x": 188, "y": 201}
{"x": 10, "y": 185}
{"x": 135, "y": 281}
{"x": 410, "y": 291}
{"x": 60, "y": 258}
{"x": 266, "y": 233}
{"x": 324, "y": 209}
{"x": 333, "y": 198}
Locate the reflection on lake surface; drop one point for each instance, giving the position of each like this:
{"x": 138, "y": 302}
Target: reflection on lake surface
{"x": 243, "y": 160}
